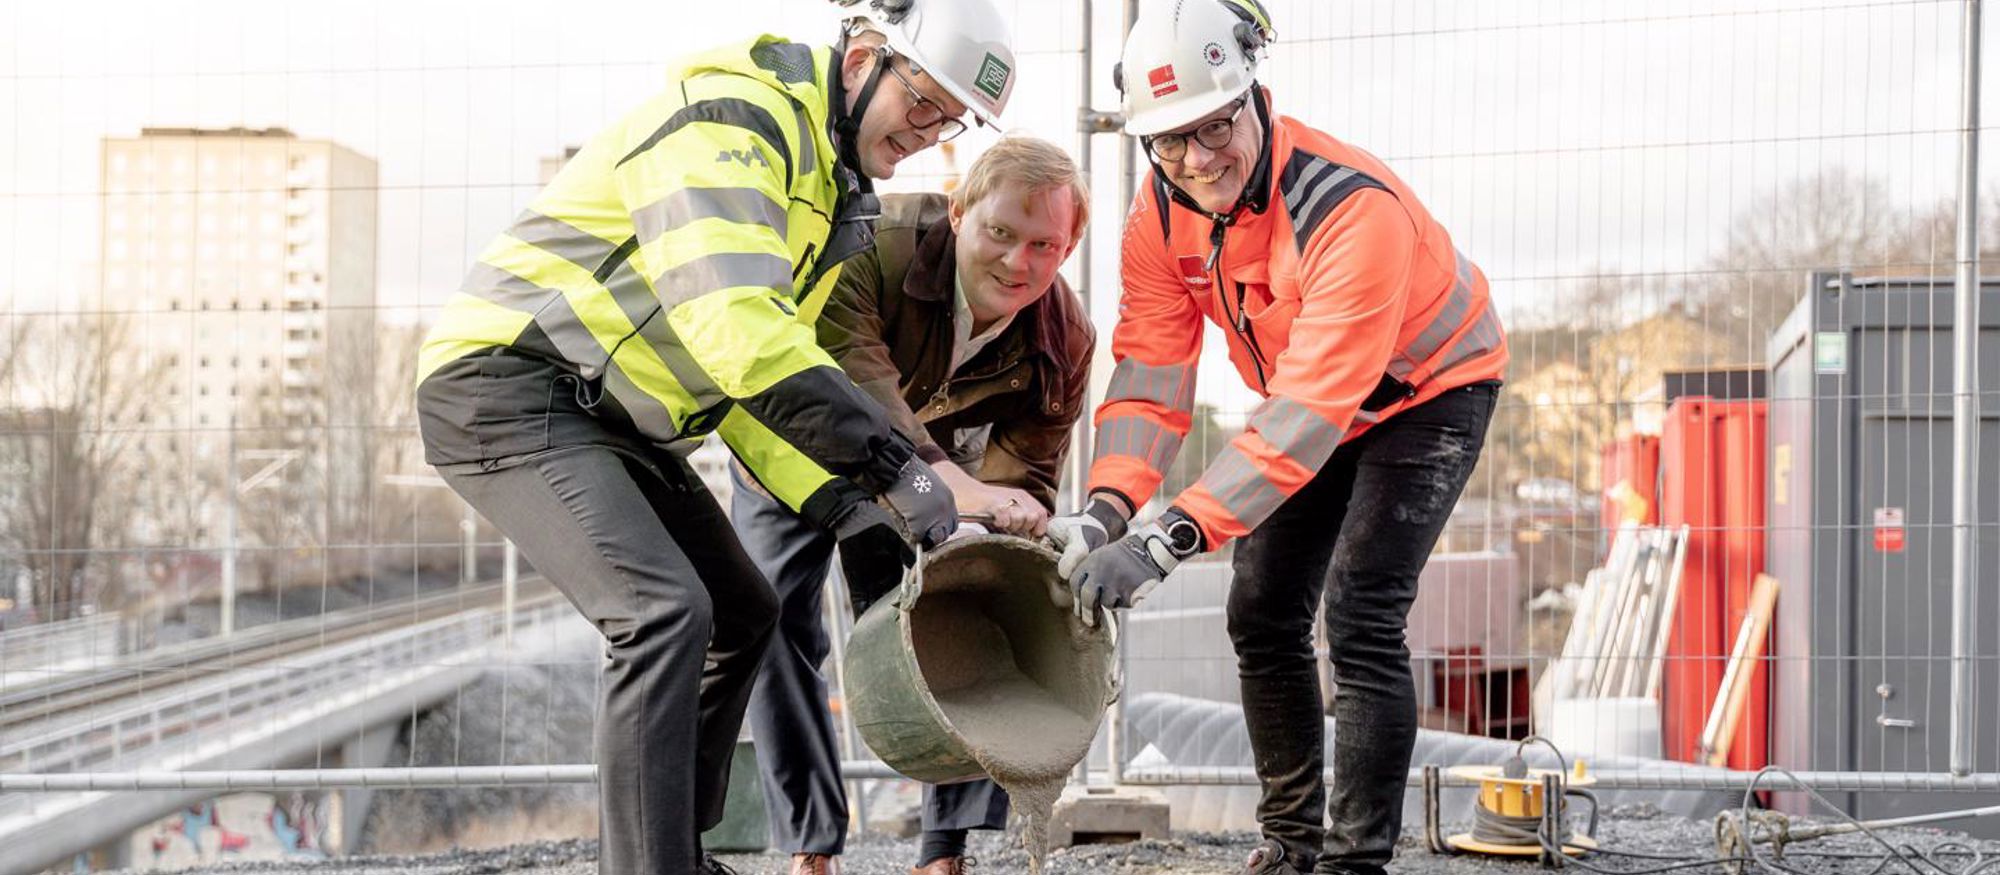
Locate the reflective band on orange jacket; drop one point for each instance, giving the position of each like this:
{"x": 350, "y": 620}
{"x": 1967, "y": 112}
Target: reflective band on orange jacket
{"x": 1344, "y": 303}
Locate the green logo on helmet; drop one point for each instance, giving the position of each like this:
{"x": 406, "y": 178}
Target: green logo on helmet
{"x": 992, "y": 78}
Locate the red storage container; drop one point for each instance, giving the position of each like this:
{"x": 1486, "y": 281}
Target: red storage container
{"x": 1713, "y": 456}
{"x": 1630, "y": 472}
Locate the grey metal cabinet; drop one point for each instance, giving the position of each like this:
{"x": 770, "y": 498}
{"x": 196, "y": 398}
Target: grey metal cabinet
{"x": 1859, "y": 535}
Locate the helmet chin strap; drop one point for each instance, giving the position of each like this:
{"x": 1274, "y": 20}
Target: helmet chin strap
{"x": 1256, "y": 193}
{"x": 847, "y": 126}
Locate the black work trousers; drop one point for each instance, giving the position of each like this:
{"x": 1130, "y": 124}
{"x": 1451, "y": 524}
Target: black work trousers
{"x": 1357, "y": 535}
{"x": 641, "y": 548}
{"x": 796, "y": 749}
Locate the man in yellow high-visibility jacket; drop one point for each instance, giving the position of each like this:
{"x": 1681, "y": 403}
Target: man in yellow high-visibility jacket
{"x": 664, "y": 286}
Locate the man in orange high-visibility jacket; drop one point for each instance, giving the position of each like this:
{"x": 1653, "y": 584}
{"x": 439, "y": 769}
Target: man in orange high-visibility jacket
{"x": 1379, "y": 356}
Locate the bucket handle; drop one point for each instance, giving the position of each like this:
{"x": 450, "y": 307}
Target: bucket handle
{"x": 912, "y": 585}
{"x": 1115, "y": 675}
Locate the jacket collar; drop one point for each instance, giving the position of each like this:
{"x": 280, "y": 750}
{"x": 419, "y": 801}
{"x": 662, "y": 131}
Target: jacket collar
{"x": 929, "y": 279}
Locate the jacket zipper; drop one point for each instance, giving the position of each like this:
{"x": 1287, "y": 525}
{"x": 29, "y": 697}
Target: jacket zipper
{"x": 1239, "y": 321}
{"x": 805, "y": 260}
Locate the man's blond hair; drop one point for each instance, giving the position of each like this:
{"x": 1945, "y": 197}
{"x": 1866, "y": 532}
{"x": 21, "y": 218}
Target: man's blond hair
{"x": 1031, "y": 162}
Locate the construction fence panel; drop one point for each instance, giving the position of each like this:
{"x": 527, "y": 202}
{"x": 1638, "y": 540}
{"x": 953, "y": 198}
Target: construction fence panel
{"x": 1719, "y": 233}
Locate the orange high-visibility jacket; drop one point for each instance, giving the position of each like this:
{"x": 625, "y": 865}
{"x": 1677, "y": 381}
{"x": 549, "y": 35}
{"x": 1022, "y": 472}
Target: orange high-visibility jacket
{"x": 1344, "y": 303}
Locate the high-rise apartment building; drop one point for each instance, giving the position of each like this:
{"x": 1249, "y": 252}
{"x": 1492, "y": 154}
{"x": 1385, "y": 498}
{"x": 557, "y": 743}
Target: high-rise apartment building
{"x": 246, "y": 262}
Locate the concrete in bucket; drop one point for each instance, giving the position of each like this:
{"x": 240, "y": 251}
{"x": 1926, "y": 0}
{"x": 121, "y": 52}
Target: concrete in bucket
{"x": 972, "y": 667}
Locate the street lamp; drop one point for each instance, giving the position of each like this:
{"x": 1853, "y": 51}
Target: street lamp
{"x": 275, "y": 460}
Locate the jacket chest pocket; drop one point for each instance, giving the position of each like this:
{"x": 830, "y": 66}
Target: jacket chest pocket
{"x": 1268, "y": 312}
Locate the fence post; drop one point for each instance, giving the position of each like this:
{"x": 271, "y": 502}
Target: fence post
{"x": 1965, "y": 412}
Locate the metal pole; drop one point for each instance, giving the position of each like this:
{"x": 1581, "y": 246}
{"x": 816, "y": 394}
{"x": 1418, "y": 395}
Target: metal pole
{"x": 1090, "y": 123}
{"x": 468, "y": 561}
{"x": 1181, "y": 776}
{"x": 1128, "y": 147}
{"x": 229, "y": 541}
{"x": 1114, "y": 732}
{"x": 1813, "y": 832}
{"x": 1681, "y": 777}
{"x": 1965, "y": 411}
{"x": 510, "y": 587}
{"x": 1080, "y": 448}
{"x": 834, "y": 600}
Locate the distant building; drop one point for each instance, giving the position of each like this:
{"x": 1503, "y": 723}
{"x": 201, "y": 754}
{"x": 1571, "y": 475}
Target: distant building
{"x": 553, "y": 164}
{"x": 249, "y": 259}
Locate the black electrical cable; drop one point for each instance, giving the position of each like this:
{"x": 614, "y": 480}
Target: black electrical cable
{"x": 1495, "y": 828}
{"x": 1749, "y": 794}
{"x": 1560, "y": 760}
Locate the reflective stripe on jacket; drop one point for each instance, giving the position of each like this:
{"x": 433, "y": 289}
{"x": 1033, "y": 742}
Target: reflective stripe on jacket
{"x": 681, "y": 257}
{"x": 1344, "y": 302}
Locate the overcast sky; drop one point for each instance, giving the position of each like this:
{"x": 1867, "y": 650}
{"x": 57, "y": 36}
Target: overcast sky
{"x": 1553, "y": 137}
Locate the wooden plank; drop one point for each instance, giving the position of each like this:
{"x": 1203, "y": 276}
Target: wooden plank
{"x": 1720, "y": 733}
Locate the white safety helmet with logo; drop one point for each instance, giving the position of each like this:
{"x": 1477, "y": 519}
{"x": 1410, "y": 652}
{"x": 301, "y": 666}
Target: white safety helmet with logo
{"x": 1187, "y": 58}
{"x": 965, "y": 45}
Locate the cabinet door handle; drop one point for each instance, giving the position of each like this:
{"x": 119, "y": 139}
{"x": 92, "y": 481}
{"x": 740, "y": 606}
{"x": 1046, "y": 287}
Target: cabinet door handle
{"x": 1895, "y": 722}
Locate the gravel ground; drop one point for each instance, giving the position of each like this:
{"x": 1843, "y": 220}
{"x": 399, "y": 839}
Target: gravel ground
{"x": 1640, "y": 832}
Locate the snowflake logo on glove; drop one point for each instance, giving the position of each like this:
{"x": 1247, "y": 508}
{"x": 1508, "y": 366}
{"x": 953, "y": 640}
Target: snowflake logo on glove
{"x": 922, "y": 484}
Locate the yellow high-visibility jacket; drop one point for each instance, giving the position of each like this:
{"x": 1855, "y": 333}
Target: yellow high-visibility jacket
{"x": 676, "y": 264}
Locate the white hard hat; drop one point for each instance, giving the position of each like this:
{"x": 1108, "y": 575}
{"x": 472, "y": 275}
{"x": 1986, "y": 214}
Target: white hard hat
{"x": 963, "y": 44}
{"x": 1187, "y": 58}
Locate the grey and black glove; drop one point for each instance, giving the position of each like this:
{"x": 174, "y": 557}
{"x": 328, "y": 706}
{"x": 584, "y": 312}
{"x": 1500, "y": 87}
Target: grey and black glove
{"x": 873, "y": 552}
{"x": 926, "y": 505}
{"x": 1124, "y": 571}
{"x": 1075, "y": 535}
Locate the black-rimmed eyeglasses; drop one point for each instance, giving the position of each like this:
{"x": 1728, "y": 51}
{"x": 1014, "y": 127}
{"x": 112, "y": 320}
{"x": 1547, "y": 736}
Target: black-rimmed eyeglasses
{"x": 924, "y": 112}
{"x": 1212, "y": 135}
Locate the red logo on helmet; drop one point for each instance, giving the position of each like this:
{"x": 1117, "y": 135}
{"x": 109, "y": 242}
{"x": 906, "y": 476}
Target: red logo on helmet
{"x": 1162, "y": 80}
{"x": 1194, "y": 272}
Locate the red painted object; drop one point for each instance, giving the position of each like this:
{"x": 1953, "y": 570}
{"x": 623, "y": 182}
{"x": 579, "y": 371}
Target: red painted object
{"x": 1480, "y": 695}
{"x": 1630, "y": 472}
{"x": 1713, "y": 456}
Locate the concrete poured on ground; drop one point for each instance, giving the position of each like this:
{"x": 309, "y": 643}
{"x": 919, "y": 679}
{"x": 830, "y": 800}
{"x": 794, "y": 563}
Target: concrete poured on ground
{"x": 875, "y": 854}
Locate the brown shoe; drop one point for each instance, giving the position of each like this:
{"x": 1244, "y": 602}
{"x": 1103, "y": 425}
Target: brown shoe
{"x": 815, "y": 864}
{"x": 1268, "y": 859}
{"x": 945, "y": 866}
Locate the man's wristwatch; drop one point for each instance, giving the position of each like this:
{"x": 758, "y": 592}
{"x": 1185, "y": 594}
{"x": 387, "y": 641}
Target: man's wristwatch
{"x": 1183, "y": 535}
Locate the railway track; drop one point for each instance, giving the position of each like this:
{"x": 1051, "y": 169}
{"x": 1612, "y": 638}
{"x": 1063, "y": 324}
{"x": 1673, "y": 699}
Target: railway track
{"x": 41, "y": 704}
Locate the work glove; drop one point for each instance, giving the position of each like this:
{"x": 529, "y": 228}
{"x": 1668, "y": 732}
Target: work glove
{"x": 873, "y": 548}
{"x": 1075, "y": 535}
{"x": 927, "y": 507}
{"x": 1121, "y": 573}
{"x": 873, "y": 554}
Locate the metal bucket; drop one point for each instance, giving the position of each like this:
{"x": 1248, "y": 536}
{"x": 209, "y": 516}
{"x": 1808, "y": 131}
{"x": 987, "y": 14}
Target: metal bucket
{"x": 974, "y": 658}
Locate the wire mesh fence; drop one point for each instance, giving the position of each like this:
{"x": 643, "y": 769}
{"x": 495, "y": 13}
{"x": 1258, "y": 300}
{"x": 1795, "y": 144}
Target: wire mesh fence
{"x": 1720, "y": 234}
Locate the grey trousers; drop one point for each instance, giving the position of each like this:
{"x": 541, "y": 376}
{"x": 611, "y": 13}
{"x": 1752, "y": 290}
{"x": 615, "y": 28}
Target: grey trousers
{"x": 643, "y": 550}
{"x": 796, "y": 750}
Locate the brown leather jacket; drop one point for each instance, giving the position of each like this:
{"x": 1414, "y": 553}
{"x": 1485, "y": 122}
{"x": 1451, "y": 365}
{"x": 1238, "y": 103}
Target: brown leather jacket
{"x": 1007, "y": 417}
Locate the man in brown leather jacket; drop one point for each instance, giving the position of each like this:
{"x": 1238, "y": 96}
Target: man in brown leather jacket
{"x": 958, "y": 324}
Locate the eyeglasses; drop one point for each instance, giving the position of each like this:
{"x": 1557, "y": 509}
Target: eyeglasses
{"x": 924, "y": 112}
{"x": 1212, "y": 135}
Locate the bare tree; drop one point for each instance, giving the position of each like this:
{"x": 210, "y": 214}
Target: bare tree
{"x": 1834, "y": 220}
{"x": 416, "y": 525}
{"x": 68, "y": 448}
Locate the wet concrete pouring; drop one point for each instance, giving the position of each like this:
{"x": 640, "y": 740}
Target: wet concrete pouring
{"x": 1020, "y": 679}
{"x": 1638, "y": 831}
